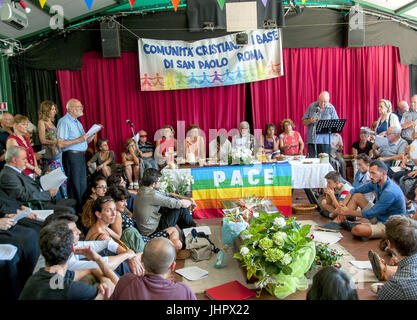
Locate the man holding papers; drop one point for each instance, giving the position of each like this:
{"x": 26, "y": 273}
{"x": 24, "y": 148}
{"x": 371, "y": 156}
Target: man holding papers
{"x": 23, "y": 188}
{"x": 72, "y": 137}
{"x": 394, "y": 149}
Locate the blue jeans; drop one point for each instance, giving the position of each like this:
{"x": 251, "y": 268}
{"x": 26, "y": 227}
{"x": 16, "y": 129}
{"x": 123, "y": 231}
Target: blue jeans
{"x": 150, "y": 163}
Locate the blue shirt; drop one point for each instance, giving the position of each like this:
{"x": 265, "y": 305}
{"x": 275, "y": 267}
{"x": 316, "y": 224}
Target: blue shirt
{"x": 389, "y": 200}
{"x": 69, "y": 128}
{"x": 328, "y": 113}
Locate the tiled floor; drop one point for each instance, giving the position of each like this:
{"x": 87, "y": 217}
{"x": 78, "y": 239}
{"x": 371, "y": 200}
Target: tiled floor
{"x": 358, "y": 248}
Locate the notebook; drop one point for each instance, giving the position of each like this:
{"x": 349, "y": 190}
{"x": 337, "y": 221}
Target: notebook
{"x": 233, "y": 290}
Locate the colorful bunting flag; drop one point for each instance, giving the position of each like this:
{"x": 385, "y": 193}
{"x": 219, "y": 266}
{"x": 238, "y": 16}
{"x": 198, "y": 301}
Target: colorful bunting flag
{"x": 42, "y": 3}
{"x": 89, "y": 3}
{"x": 221, "y": 3}
{"x": 175, "y": 3}
{"x": 132, "y": 2}
{"x": 264, "y": 2}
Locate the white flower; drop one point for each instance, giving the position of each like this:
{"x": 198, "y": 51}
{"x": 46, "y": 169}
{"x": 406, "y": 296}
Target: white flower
{"x": 244, "y": 251}
{"x": 286, "y": 259}
{"x": 280, "y": 222}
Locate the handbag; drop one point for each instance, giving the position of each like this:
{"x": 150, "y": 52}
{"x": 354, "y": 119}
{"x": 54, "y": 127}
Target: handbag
{"x": 200, "y": 246}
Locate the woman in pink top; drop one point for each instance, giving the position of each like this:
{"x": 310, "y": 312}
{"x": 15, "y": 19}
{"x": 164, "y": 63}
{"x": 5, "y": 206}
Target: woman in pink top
{"x": 290, "y": 141}
{"x": 194, "y": 143}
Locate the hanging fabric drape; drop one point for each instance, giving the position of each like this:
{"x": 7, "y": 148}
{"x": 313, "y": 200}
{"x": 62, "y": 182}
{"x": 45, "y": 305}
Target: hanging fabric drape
{"x": 110, "y": 92}
{"x": 355, "y": 78}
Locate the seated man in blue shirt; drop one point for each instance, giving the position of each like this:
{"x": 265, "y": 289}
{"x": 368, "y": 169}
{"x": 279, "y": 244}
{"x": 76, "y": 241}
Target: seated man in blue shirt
{"x": 389, "y": 201}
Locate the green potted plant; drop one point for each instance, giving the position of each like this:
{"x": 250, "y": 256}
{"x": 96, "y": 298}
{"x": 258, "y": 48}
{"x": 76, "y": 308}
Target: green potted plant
{"x": 277, "y": 252}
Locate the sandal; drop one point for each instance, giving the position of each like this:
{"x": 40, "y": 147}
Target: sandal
{"x": 376, "y": 267}
{"x": 131, "y": 186}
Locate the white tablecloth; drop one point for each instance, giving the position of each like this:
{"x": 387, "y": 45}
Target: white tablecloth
{"x": 307, "y": 176}
{"x": 303, "y": 175}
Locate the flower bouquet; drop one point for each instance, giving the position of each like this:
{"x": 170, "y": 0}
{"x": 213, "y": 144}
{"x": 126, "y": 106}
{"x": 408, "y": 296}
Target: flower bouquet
{"x": 240, "y": 155}
{"x": 325, "y": 256}
{"x": 185, "y": 183}
{"x": 167, "y": 182}
{"x": 277, "y": 252}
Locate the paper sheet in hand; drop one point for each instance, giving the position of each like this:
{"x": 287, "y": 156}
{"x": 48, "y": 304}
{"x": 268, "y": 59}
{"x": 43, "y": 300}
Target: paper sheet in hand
{"x": 204, "y": 229}
{"x": 93, "y": 130}
{"x": 22, "y": 215}
{"x": 53, "y": 179}
{"x": 327, "y": 237}
{"x": 42, "y": 214}
{"x": 381, "y": 142}
{"x": 365, "y": 265}
{"x": 7, "y": 251}
{"x": 192, "y": 273}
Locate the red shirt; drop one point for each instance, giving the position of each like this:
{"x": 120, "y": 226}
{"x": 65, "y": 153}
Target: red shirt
{"x": 29, "y": 151}
{"x": 291, "y": 140}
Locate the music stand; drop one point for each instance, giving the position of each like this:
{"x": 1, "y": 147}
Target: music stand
{"x": 328, "y": 126}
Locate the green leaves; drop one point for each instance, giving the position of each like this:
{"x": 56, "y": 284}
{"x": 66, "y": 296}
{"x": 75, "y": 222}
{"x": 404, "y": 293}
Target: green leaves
{"x": 270, "y": 251}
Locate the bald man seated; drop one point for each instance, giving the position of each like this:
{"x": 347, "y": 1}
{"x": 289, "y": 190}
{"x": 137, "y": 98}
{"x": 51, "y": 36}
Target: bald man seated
{"x": 158, "y": 260}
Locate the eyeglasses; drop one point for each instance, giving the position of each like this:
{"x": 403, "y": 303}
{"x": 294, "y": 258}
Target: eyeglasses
{"x": 101, "y": 187}
{"x": 143, "y": 136}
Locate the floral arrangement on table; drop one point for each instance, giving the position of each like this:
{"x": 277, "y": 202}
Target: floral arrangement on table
{"x": 167, "y": 182}
{"x": 185, "y": 183}
{"x": 240, "y": 155}
{"x": 168, "y": 185}
{"x": 326, "y": 256}
{"x": 277, "y": 252}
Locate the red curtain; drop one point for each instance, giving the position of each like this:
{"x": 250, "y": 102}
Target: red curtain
{"x": 355, "y": 78}
{"x": 110, "y": 92}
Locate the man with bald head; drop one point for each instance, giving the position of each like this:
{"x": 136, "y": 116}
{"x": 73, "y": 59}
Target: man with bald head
{"x": 408, "y": 120}
{"x": 402, "y": 108}
{"x": 146, "y": 150}
{"x": 72, "y": 137}
{"x": 319, "y": 110}
{"x": 5, "y": 130}
{"x": 158, "y": 260}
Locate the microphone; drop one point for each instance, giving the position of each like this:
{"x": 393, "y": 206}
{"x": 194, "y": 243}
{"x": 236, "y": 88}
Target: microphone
{"x": 129, "y": 122}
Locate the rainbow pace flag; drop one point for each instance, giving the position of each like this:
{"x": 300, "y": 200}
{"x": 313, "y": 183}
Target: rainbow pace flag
{"x": 213, "y": 184}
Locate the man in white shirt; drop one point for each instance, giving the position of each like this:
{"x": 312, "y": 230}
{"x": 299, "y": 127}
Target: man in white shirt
{"x": 220, "y": 148}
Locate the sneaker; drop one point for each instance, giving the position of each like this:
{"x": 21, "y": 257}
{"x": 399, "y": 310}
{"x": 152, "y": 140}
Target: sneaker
{"x": 326, "y": 214}
{"x": 331, "y": 226}
{"x": 183, "y": 254}
{"x": 352, "y": 218}
{"x": 348, "y": 225}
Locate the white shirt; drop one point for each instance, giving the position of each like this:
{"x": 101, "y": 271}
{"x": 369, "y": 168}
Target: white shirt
{"x": 225, "y": 149}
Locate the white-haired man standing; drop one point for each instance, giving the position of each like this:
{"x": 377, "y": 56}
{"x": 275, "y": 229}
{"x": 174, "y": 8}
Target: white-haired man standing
{"x": 319, "y": 110}
{"x": 72, "y": 137}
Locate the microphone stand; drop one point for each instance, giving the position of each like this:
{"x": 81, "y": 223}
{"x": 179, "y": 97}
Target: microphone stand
{"x": 141, "y": 165}
{"x": 314, "y": 132}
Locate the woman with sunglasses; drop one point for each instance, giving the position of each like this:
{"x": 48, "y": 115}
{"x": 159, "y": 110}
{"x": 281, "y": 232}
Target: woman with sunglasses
{"x": 100, "y": 214}
{"x": 104, "y": 159}
{"x": 131, "y": 163}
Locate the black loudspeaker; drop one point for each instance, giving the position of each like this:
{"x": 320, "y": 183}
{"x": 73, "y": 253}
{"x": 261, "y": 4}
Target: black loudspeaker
{"x": 110, "y": 40}
{"x": 203, "y": 15}
{"x": 355, "y": 31}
